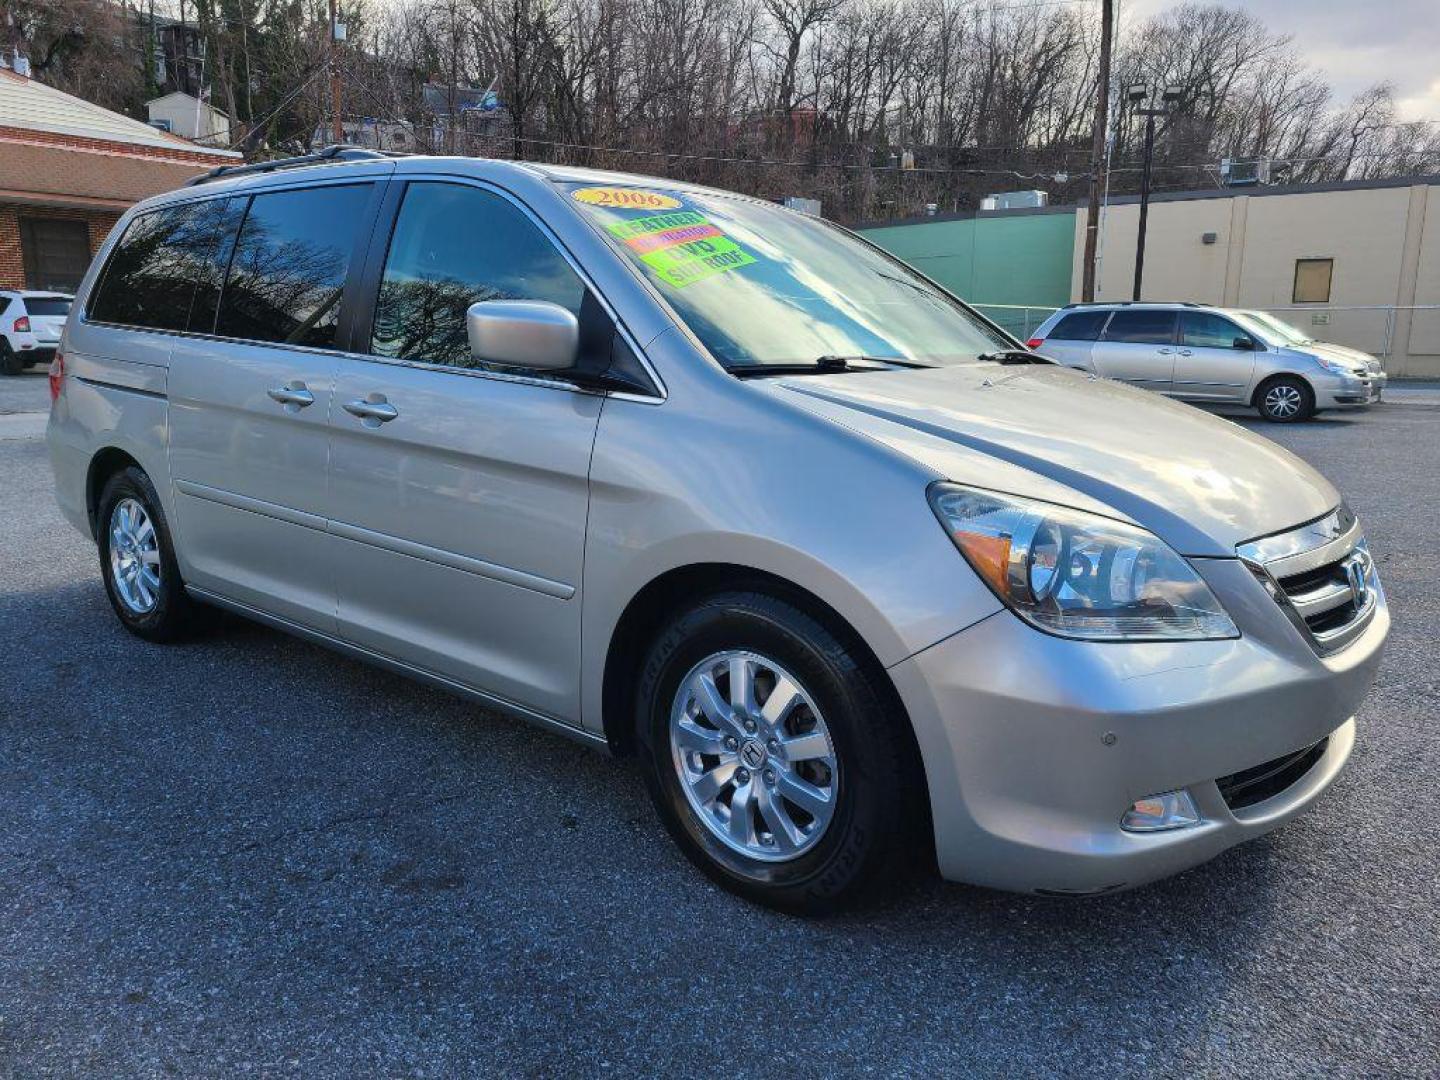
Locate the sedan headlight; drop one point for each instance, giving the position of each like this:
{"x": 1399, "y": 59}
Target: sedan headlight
{"x": 1079, "y": 575}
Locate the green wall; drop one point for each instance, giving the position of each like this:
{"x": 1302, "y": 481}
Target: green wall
{"x": 992, "y": 258}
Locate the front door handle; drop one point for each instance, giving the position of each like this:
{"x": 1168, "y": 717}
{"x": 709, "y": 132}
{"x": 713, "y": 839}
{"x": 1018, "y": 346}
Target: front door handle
{"x": 373, "y": 410}
{"x": 1185, "y": 352}
{"x": 292, "y": 395}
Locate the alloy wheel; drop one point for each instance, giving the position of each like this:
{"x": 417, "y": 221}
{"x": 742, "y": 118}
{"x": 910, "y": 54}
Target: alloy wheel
{"x": 1283, "y": 401}
{"x": 754, "y": 756}
{"x": 134, "y": 557}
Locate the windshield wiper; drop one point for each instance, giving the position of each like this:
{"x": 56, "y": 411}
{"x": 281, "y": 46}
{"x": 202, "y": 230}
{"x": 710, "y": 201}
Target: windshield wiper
{"x": 1014, "y": 356}
{"x": 824, "y": 365}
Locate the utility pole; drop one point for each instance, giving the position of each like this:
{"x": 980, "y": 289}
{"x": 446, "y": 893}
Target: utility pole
{"x": 338, "y": 127}
{"x": 1097, "y": 150}
{"x": 1138, "y": 94}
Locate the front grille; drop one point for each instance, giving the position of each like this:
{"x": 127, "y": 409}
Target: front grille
{"x": 1321, "y": 575}
{"x": 1264, "y": 781}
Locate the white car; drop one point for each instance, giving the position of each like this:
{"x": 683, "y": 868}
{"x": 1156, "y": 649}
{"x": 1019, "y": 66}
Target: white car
{"x": 30, "y": 325}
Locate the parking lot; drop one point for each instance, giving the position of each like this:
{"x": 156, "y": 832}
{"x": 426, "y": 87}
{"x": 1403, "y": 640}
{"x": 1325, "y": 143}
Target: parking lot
{"x": 249, "y": 855}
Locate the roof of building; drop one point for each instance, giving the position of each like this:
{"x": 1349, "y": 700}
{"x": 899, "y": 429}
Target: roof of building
{"x": 32, "y": 106}
{"x": 1249, "y": 190}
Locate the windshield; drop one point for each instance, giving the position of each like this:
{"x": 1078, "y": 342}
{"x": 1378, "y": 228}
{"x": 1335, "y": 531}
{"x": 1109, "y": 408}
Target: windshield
{"x": 1272, "y": 331}
{"x": 761, "y": 285}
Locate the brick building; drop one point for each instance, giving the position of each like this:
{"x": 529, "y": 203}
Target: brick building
{"x": 68, "y": 170}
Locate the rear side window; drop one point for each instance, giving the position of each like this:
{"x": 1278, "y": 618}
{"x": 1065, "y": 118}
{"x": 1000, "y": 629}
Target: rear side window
{"x": 151, "y": 278}
{"x": 1142, "y": 327}
{"x": 47, "y": 305}
{"x": 454, "y": 246}
{"x": 1079, "y": 326}
{"x": 289, "y": 265}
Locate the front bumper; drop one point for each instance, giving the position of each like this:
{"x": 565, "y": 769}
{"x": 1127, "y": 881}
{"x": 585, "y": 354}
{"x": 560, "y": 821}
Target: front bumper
{"x": 1351, "y": 392}
{"x": 1034, "y": 746}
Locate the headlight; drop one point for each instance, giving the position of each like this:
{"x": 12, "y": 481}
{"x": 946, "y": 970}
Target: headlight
{"x": 1076, "y": 574}
{"x": 1338, "y": 367}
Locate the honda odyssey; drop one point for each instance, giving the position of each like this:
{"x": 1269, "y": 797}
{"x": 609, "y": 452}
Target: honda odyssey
{"x": 704, "y": 481}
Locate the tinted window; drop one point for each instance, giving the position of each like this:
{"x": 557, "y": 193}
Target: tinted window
{"x": 454, "y": 246}
{"x": 289, "y": 265}
{"x": 152, "y": 276}
{"x": 1145, "y": 327}
{"x": 1202, "y": 330}
{"x": 47, "y": 305}
{"x": 1079, "y": 326}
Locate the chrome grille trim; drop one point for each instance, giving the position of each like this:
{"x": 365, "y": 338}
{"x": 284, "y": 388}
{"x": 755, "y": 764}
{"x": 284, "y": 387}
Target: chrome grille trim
{"x": 1322, "y": 577}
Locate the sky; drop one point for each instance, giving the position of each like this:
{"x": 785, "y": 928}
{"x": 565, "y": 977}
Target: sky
{"x": 1356, "y": 43}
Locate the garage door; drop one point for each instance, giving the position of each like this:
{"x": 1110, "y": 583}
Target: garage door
{"x": 56, "y": 252}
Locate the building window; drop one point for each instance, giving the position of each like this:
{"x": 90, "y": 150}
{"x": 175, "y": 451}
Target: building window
{"x": 1312, "y": 281}
{"x": 55, "y": 251}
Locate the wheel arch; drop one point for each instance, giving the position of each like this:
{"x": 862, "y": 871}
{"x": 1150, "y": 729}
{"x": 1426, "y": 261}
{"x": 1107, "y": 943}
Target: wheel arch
{"x": 104, "y": 464}
{"x": 679, "y": 586}
{"x": 1274, "y": 377}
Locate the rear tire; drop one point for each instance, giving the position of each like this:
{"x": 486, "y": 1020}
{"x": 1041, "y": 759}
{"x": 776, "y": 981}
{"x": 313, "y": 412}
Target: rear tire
{"x": 137, "y": 561}
{"x": 10, "y": 361}
{"x": 1285, "y": 400}
{"x": 843, "y": 736}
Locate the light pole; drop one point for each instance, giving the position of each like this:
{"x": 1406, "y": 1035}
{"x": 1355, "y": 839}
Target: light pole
{"x": 1138, "y": 93}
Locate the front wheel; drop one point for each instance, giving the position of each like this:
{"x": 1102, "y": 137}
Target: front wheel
{"x": 1286, "y": 400}
{"x": 775, "y": 756}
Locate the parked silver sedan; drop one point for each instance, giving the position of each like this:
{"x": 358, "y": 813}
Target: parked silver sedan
{"x": 689, "y": 477}
{"x": 1210, "y": 354}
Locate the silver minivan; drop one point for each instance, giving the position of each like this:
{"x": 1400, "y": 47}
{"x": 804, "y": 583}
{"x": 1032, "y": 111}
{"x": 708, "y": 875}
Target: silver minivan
{"x": 697, "y": 479}
{"x": 1205, "y": 354}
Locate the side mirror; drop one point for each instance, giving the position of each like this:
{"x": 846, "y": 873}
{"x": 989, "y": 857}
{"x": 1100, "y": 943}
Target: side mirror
{"x": 1244, "y": 344}
{"x": 531, "y": 334}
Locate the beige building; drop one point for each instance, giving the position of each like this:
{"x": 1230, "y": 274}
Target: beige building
{"x": 1357, "y": 263}
{"x": 190, "y": 118}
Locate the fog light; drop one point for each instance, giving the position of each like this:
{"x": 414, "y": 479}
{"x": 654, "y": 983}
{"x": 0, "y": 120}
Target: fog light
{"x": 1157, "y": 813}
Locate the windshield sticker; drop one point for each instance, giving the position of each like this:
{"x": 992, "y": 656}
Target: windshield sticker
{"x": 625, "y": 198}
{"x": 682, "y": 248}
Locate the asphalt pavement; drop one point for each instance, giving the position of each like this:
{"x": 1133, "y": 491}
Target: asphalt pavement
{"x": 248, "y": 856}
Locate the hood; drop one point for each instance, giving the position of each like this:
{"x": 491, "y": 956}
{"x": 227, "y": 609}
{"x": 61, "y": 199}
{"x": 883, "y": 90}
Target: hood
{"x": 1200, "y": 483}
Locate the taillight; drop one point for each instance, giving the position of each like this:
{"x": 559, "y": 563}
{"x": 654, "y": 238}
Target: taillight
{"x": 1034, "y": 343}
{"x": 22, "y": 324}
{"x": 57, "y": 375}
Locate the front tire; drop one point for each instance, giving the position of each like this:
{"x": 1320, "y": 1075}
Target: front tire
{"x": 776, "y": 757}
{"x": 1286, "y": 400}
{"x": 137, "y": 561}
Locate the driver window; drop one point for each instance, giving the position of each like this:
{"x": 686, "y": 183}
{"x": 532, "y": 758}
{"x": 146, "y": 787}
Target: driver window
{"x": 1204, "y": 330}
{"x": 454, "y": 246}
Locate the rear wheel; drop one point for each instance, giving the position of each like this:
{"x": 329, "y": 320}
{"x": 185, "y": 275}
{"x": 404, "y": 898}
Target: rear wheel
{"x": 137, "y": 560}
{"x": 10, "y": 361}
{"x": 1286, "y": 400}
{"x": 775, "y": 757}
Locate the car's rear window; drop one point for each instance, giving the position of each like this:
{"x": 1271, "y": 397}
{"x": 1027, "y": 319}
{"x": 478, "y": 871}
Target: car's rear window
{"x": 48, "y": 305}
{"x": 1142, "y": 327}
{"x": 1079, "y": 326}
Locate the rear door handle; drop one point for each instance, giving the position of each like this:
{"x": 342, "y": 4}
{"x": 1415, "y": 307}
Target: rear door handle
{"x": 1164, "y": 352}
{"x": 292, "y": 395}
{"x": 373, "y": 411}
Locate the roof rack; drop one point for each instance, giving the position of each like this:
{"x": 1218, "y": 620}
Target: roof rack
{"x": 1129, "y": 303}
{"x": 337, "y": 152}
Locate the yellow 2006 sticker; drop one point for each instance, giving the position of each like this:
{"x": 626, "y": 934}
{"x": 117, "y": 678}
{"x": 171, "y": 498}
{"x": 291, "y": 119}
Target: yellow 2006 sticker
{"x": 625, "y": 198}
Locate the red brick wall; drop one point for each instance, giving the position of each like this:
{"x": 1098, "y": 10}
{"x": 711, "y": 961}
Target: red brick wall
{"x": 12, "y": 262}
